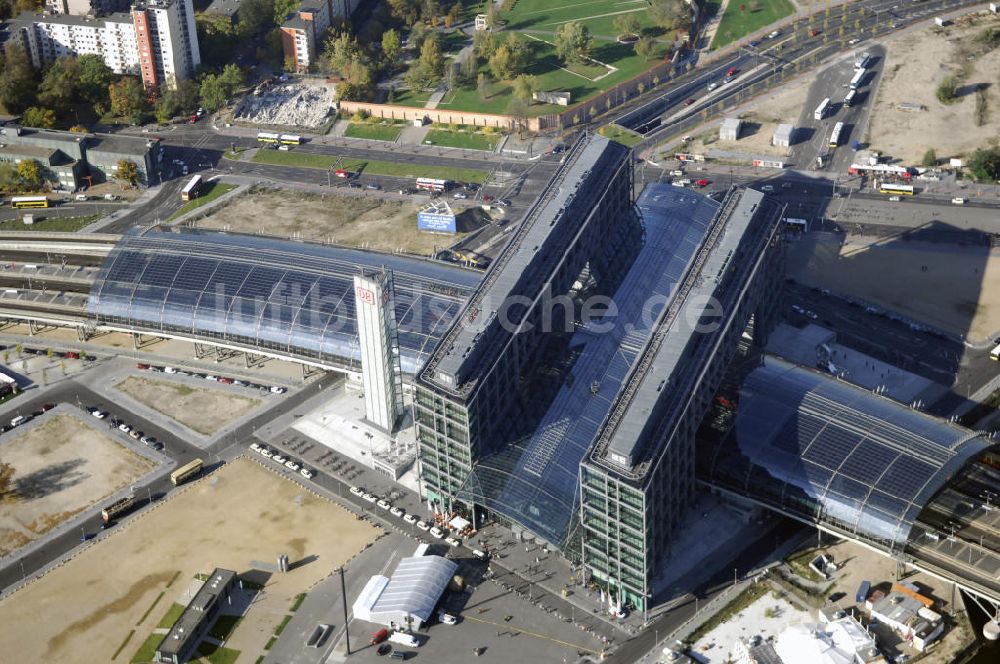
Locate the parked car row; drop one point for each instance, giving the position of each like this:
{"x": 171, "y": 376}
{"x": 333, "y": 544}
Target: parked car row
{"x": 24, "y": 419}
{"x": 276, "y": 389}
{"x": 400, "y": 513}
{"x": 277, "y": 457}
{"x": 132, "y": 432}
{"x": 67, "y": 354}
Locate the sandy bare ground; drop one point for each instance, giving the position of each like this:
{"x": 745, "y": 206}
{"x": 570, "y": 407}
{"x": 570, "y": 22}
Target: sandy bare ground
{"x": 201, "y": 409}
{"x": 61, "y": 466}
{"x": 82, "y": 611}
{"x": 916, "y": 64}
{"x": 946, "y": 286}
{"x": 358, "y": 221}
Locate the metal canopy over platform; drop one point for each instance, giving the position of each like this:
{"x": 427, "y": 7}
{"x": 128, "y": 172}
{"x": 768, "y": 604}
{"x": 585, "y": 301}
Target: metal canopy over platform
{"x": 292, "y": 298}
{"x": 535, "y": 483}
{"x": 828, "y": 452}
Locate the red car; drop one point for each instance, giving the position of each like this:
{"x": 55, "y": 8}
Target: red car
{"x": 341, "y": 173}
{"x": 702, "y": 183}
{"x": 732, "y": 71}
{"x": 380, "y": 636}
{"x": 142, "y": 366}
{"x": 689, "y": 102}
{"x": 814, "y": 33}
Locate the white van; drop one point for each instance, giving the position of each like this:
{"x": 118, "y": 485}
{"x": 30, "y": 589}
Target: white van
{"x": 404, "y": 639}
{"x": 767, "y": 188}
{"x": 81, "y": 197}
{"x": 110, "y": 197}
{"x": 958, "y": 201}
{"x": 19, "y": 420}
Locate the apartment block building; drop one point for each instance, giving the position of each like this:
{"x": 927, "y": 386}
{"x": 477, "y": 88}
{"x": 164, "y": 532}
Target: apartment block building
{"x": 303, "y": 32}
{"x": 156, "y": 40}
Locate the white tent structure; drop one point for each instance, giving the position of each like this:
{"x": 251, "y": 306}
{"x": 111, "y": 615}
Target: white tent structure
{"x": 408, "y": 597}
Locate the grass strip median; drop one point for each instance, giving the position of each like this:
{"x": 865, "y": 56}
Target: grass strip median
{"x": 209, "y": 192}
{"x": 368, "y": 166}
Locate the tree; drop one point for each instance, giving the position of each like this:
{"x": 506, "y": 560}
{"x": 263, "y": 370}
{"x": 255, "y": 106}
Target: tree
{"x": 256, "y": 16}
{"x": 187, "y": 95}
{"x": 646, "y": 48}
{"x": 407, "y": 11}
{"x": 670, "y": 14}
{"x": 359, "y": 82}
{"x": 510, "y": 58}
{"x": 213, "y": 92}
{"x": 947, "y": 90}
{"x": 341, "y": 50}
{"x": 985, "y": 164}
{"x": 8, "y": 492}
{"x": 18, "y": 80}
{"x": 390, "y": 46}
{"x": 518, "y": 109}
{"x": 930, "y": 158}
{"x": 30, "y": 173}
{"x": 166, "y": 106}
{"x": 524, "y": 87}
{"x": 128, "y": 99}
{"x": 469, "y": 69}
{"x": 431, "y": 59}
{"x": 9, "y": 179}
{"x": 482, "y": 86}
{"x": 78, "y": 129}
{"x": 627, "y": 25}
{"x": 216, "y": 34}
{"x": 43, "y": 118}
{"x": 573, "y": 42}
{"x": 282, "y": 8}
{"x": 128, "y": 172}
{"x": 58, "y": 89}
{"x": 484, "y": 43}
{"x": 95, "y": 77}
{"x": 232, "y": 78}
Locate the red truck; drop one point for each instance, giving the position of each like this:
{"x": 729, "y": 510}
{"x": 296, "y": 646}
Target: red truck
{"x": 380, "y": 636}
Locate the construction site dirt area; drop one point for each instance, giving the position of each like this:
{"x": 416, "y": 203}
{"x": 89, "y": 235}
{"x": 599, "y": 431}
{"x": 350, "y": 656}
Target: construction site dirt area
{"x": 356, "y": 221}
{"x": 916, "y": 64}
{"x": 956, "y": 284}
{"x": 84, "y": 610}
{"x": 61, "y": 466}
{"x": 201, "y": 409}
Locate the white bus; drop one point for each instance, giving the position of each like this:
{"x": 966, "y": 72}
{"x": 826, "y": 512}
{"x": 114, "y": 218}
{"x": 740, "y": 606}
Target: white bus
{"x": 835, "y": 136}
{"x": 191, "y": 189}
{"x": 796, "y": 224}
{"x": 29, "y": 202}
{"x": 849, "y": 99}
{"x": 430, "y": 184}
{"x": 995, "y": 354}
{"x": 859, "y": 76}
{"x": 290, "y": 139}
{"x": 268, "y": 137}
{"x": 822, "y": 109}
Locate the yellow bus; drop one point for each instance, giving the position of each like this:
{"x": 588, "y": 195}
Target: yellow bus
{"x": 186, "y": 472}
{"x": 29, "y": 202}
{"x": 896, "y": 189}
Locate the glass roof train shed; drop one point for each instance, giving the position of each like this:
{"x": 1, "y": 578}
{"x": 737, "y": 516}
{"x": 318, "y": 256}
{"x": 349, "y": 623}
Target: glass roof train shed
{"x": 289, "y": 298}
{"x": 535, "y": 482}
{"x": 828, "y": 452}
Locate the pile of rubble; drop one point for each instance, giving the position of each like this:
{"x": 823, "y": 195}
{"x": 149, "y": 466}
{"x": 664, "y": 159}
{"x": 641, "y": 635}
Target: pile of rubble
{"x": 288, "y": 105}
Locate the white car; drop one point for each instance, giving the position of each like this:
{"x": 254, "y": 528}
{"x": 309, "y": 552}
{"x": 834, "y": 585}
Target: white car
{"x": 306, "y": 473}
{"x": 384, "y": 504}
{"x": 437, "y": 532}
{"x": 255, "y": 447}
{"x": 291, "y": 465}
{"x": 712, "y": 86}
{"x": 447, "y": 618}
{"x": 396, "y": 511}
{"x": 774, "y": 34}
{"x": 357, "y": 491}
{"x": 99, "y": 414}
{"x": 266, "y": 453}
{"x": 461, "y": 195}
{"x": 453, "y": 541}
{"x": 853, "y": 41}
{"x": 409, "y": 518}
{"x": 278, "y": 389}
{"x": 677, "y": 174}
{"x": 279, "y": 459}
{"x": 369, "y": 497}
{"x": 124, "y": 427}
{"x": 422, "y": 526}
{"x": 212, "y": 378}
{"x": 170, "y": 370}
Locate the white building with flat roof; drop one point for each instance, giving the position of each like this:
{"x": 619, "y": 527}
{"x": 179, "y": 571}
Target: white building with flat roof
{"x": 730, "y": 129}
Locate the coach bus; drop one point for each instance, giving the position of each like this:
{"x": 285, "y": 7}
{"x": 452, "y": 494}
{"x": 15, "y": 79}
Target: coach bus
{"x": 191, "y": 189}
{"x": 290, "y": 139}
{"x": 796, "y": 224}
{"x": 29, "y": 202}
{"x": 859, "y": 76}
{"x": 821, "y": 109}
{"x": 835, "y": 136}
{"x": 849, "y": 99}
{"x": 186, "y": 472}
{"x": 430, "y": 184}
{"x": 896, "y": 189}
{"x": 268, "y": 137}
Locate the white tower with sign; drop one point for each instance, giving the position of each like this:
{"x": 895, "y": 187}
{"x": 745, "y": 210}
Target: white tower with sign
{"x": 376, "y": 315}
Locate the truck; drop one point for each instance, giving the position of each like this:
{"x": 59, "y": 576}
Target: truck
{"x": 862, "y": 593}
{"x": 862, "y": 60}
{"x": 404, "y": 639}
{"x": 117, "y": 508}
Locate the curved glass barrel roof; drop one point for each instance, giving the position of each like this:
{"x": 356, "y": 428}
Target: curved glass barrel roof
{"x": 826, "y": 451}
{"x": 289, "y": 298}
{"x": 535, "y": 483}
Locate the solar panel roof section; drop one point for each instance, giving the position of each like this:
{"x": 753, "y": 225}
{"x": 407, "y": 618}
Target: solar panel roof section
{"x": 662, "y": 359}
{"x": 519, "y": 268}
{"x": 540, "y": 490}
{"x": 870, "y": 462}
{"x": 292, "y": 297}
